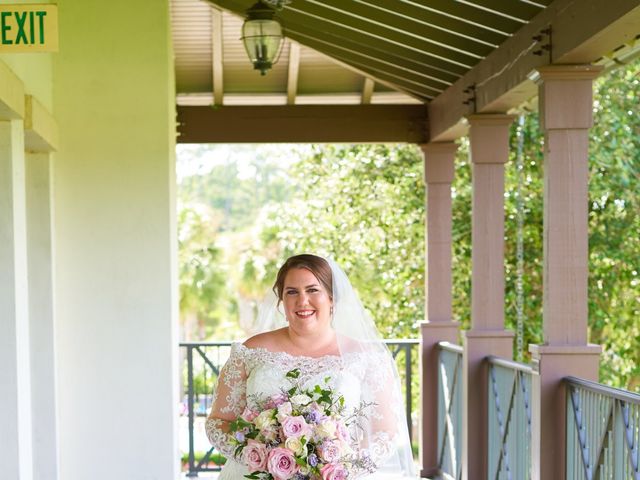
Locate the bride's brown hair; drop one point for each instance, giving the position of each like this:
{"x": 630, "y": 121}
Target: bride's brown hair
{"x": 316, "y": 265}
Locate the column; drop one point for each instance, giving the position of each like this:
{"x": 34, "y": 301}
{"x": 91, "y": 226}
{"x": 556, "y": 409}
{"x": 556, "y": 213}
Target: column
{"x": 41, "y": 316}
{"x": 439, "y": 325}
{"x": 489, "y": 143}
{"x": 565, "y": 96}
{"x": 15, "y": 387}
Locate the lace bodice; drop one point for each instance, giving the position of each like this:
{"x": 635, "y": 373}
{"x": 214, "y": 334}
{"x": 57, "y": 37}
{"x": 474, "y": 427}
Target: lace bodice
{"x": 257, "y": 371}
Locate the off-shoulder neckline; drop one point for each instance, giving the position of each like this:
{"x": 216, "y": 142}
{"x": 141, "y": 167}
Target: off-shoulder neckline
{"x": 285, "y": 354}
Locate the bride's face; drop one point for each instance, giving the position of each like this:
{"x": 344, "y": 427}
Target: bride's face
{"x": 306, "y": 302}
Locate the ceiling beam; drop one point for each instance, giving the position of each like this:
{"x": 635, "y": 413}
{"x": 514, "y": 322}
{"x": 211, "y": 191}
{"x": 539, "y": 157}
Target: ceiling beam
{"x": 471, "y": 15}
{"x": 217, "y": 59}
{"x": 376, "y": 48}
{"x": 319, "y": 27}
{"x": 303, "y": 124}
{"x": 517, "y": 9}
{"x": 401, "y": 78}
{"x": 422, "y": 14}
{"x": 582, "y": 32}
{"x": 334, "y": 16}
{"x": 388, "y": 18}
{"x": 294, "y": 70}
{"x": 367, "y": 91}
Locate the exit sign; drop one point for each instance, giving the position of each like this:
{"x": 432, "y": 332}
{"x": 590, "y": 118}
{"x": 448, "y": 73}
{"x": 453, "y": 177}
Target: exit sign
{"x": 28, "y": 28}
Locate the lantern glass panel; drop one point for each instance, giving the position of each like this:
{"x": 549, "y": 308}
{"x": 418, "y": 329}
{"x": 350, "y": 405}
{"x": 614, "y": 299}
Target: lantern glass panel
{"x": 262, "y": 39}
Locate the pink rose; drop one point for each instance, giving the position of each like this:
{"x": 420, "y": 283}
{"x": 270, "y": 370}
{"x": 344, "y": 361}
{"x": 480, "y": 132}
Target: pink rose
{"x": 295, "y": 427}
{"x": 332, "y": 471}
{"x": 254, "y": 456}
{"x": 330, "y": 451}
{"x": 281, "y": 464}
{"x": 278, "y": 399}
{"x": 248, "y": 415}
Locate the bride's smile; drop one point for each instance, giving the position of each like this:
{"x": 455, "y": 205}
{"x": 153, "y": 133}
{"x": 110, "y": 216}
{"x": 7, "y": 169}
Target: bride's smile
{"x": 306, "y": 302}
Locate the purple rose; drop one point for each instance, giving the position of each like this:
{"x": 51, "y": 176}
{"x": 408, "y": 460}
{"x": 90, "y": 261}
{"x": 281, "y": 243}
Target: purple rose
{"x": 240, "y": 436}
{"x": 281, "y": 464}
{"x": 315, "y": 416}
{"x": 312, "y": 459}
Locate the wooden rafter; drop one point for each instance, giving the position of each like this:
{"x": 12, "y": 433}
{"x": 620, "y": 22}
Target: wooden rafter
{"x": 333, "y": 18}
{"x": 367, "y": 91}
{"x": 294, "y": 70}
{"x": 423, "y": 14}
{"x": 217, "y": 56}
{"x": 408, "y": 59}
{"x": 582, "y": 32}
{"x": 401, "y": 79}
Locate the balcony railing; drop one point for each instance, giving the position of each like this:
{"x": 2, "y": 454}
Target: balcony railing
{"x": 603, "y": 432}
{"x": 450, "y": 410}
{"x": 201, "y": 367}
{"x": 509, "y": 419}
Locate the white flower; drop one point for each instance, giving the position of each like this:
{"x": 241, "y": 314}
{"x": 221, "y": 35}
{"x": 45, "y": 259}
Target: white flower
{"x": 265, "y": 419}
{"x": 295, "y": 445}
{"x": 284, "y": 411}
{"x": 300, "y": 399}
{"x": 326, "y": 429}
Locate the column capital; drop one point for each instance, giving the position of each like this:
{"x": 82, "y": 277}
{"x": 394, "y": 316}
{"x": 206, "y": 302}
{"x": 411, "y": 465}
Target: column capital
{"x": 439, "y": 161}
{"x": 439, "y": 147}
{"x": 565, "y": 95}
{"x": 547, "y": 73}
{"x": 489, "y": 137}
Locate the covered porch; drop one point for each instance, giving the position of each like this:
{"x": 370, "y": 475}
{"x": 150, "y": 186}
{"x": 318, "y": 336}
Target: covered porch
{"x": 459, "y": 68}
{"x": 88, "y": 290}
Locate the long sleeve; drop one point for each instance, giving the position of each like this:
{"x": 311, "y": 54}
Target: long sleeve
{"x": 388, "y": 441}
{"x": 229, "y": 400}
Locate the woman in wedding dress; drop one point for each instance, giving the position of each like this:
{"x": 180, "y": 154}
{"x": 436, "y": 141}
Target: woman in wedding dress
{"x": 325, "y": 333}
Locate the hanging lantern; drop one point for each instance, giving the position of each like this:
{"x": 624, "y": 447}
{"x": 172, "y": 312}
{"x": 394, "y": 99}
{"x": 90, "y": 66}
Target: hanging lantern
{"x": 262, "y": 37}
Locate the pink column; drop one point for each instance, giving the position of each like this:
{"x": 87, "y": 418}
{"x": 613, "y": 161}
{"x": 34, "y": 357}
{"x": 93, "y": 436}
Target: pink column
{"x": 489, "y": 142}
{"x": 439, "y": 325}
{"x": 565, "y": 93}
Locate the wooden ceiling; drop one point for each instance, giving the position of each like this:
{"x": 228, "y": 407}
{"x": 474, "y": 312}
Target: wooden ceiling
{"x": 340, "y": 51}
{"x": 440, "y": 59}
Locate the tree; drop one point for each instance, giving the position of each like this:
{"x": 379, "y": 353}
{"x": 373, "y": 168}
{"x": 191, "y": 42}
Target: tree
{"x": 364, "y": 206}
{"x": 201, "y": 280}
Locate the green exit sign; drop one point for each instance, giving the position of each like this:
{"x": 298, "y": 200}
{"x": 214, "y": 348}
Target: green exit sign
{"x": 28, "y": 28}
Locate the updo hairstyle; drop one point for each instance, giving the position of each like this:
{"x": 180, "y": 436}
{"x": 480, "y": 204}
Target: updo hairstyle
{"x": 316, "y": 265}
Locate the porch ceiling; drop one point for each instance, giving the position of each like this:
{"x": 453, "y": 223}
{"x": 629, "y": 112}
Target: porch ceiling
{"x": 356, "y": 51}
{"x": 359, "y": 52}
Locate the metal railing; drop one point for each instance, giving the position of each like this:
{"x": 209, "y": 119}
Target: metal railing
{"x": 201, "y": 367}
{"x": 603, "y": 432}
{"x": 450, "y": 410}
{"x": 509, "y": 419}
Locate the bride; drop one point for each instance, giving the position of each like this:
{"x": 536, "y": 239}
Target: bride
{"x": 325, "y": 333}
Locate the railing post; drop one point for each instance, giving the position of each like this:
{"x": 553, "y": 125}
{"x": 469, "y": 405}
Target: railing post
{"x": 565, "y": 93}
{"x": 438, "y": 172}
{"x": 190, "y": 406}
{"x": 489, "y": 145}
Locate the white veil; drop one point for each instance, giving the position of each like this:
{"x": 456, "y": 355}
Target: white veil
{"x": 384, "y": 435}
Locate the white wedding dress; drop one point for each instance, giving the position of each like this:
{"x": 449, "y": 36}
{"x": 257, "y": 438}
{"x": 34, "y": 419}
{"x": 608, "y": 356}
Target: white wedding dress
{"x": 252, "y": 372}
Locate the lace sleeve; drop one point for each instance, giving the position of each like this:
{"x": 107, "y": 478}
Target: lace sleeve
{"x": 229, "y": 400}
{"x": 387, "y": 423}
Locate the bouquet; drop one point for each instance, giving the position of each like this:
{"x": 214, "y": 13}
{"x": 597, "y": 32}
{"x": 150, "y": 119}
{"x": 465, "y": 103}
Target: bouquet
{"x": 301, "y": 434}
